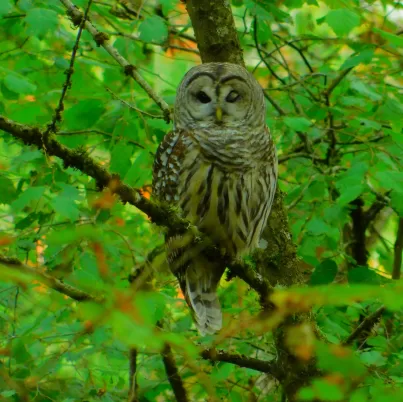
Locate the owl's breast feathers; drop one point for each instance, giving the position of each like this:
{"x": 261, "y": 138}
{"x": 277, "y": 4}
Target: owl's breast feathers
{"x": 227, "y": 193}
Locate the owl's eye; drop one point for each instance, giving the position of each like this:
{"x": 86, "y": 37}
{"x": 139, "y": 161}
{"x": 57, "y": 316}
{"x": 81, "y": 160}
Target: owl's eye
{"x": 232, "y": 97}
{"x": 203, "y": 97}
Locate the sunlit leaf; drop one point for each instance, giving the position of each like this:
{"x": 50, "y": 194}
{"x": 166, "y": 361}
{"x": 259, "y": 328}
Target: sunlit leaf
{"x": 40, "y": 21}
{"x": 342, "y": 21}
{"x": 324, "y": 273}
{"x": 153, "y": 29}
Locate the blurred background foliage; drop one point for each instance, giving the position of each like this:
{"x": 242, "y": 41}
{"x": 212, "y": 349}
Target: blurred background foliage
{"x": 332, "y": 75}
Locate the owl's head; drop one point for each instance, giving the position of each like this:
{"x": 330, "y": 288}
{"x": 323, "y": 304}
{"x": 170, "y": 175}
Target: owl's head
{"x": 214, "y": 95}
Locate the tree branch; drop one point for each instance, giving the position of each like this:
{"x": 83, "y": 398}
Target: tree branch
{"x": 132, "y": 375}
{"x": 359, "y": 249}
{"x": 215, "y": 355}
{"x": 172, "y": 374}
{"x": 336, "y": 82}
{"x": 380, "y": 203}
{"x": 50, "y": 281}
{"x": 397, "y": 260}
{"x": 102, "y": 40}
{"x": 366, "y": 325}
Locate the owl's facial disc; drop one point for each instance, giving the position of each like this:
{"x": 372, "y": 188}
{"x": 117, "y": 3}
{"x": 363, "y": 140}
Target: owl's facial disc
{"x": 220, "y": 103}
{"x": 234, "y": 97}
{"x": 201, "y": 98}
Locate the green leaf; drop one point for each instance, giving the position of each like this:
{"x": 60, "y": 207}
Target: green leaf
{"x": 153, "y": 29}
{"x": 363, "y": 57}
{"x": 373, "y": 358}
{"x": 390, "y": 180}
{"x": 7, "y": 394}
{"x": 350, "y": 193}
{"x": 317, "y": 227}
{"x": 40, "y": 21}
{"x": 279, "y": 15}
{"x": 364, "y": 89}
{"x": 69, "y": 191}
{"x": 127, "y": 127}
{"x": 335, "y": 361}
{"x": 7, "y": 93}
{"x": 364, "y": 275}
{"x": 27, "y": 156}
{"x": 120, "y": 158}
{"x": 167, "y": 6}
{"x": 264, "y": 32}
{"x": 223, "y": 371}
{"x": 324, "y": 273}
{"x": 391, "y": 110}
{"x": 7, "y": 190}
{"x": 84, "y": 114}
{"x": 397, "y": 202}
{"x": 5, "y": 7}
{"x": 326, "y": 391}
{"x": 297, "y": 123}
{"x": 342, "y": 21}
{"x": 391, "y": 38}
{"x": 27, "y": 221}
{"x": 20, "y": 352}
{"x": 19, "y": 84}
{"x": 140, "y": 171}
{"x": 66, "y": 207}
{"x": 29, "y": 195}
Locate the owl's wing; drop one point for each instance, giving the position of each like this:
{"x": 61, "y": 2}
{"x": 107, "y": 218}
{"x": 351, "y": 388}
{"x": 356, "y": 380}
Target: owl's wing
{"x": 167, "y": 166}
{"x": 198, "y": 277}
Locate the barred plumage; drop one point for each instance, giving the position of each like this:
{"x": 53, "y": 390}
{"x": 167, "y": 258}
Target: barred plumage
{"x": 220, "y": 166}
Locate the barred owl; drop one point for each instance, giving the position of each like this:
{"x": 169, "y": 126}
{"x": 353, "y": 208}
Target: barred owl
{"x": 219, "y": 165}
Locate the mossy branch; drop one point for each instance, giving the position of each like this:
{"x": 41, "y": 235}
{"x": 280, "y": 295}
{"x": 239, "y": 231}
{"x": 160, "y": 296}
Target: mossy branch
{"x": 49, "y": 280}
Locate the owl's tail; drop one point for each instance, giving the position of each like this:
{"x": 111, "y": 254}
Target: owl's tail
{"x": 201, "y": 289}
{"x": 198, "y": 277}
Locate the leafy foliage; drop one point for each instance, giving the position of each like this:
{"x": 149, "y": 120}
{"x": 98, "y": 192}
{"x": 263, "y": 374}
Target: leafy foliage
{"x": 330, "y": 71}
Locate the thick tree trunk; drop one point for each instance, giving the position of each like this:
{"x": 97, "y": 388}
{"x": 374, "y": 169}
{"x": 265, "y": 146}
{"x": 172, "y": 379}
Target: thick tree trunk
{"x": 214, "y": 28}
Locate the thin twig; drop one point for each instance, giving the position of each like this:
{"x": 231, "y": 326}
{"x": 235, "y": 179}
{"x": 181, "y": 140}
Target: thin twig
{"x": 102, "y": 39}
{"x": 336, "y": 82}
{"x": 152, "y": 116}
{"x": 301, "y": 195}
{"x": 14, "y": 326}
{"x": 16, "y": 48}
{"x": 163, "y": 45}
{"x": 300, "y": 52}
{"x": 69, "y": 74}
{"x": 381, "y": 202}
{"x": 100, "y": 132}
{"x": 276, "y": 106}
{"x": 397, "y": 260}
{"x": 255, "y": 28}
{"x": 284, "y": 158}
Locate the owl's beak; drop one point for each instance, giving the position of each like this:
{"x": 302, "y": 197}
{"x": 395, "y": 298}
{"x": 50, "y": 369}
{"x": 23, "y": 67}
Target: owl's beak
{"x": 218, "y": 114}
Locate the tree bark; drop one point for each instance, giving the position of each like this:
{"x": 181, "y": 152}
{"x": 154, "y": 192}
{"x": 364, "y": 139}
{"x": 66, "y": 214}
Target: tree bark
{"x": 214, "y": 28}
